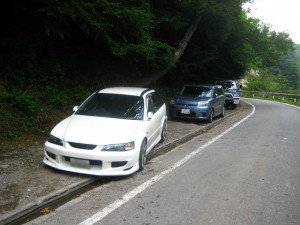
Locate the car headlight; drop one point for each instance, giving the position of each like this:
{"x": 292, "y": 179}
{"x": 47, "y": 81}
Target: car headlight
{"x": 203, "y": 103}
{"x": 54, "y": 140}
{"x": 119, "y": 147}
{"x": 236, "y": 94}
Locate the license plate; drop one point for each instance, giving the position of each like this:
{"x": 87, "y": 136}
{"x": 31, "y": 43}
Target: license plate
{"x": 185, "y": 111}
{"x": 82, "y": 163}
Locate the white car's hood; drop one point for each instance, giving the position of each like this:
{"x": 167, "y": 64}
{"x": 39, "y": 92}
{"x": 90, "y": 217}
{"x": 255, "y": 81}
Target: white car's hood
{"x": 96, "y": 130}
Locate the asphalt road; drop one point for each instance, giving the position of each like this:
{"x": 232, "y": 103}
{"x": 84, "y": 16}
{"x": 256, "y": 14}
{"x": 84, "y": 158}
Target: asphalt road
{"x": 248, "y": 173}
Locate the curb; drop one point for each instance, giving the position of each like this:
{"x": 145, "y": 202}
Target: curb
{"x": 40, "y": 202}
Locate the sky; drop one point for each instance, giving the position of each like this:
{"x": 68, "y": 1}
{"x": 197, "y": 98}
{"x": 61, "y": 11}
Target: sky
{"x": 281, "y": 15}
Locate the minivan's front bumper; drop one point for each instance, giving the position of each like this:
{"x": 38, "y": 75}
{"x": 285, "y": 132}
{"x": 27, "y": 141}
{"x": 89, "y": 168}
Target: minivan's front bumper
{"x": 190, "y": 112}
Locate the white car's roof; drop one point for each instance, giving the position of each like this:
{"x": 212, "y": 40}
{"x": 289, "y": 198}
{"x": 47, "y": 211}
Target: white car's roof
{"x": 136, "y": 91}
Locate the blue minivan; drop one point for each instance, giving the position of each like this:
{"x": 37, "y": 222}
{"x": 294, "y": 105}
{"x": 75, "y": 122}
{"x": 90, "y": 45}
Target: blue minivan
{"x": 198, "y": 101}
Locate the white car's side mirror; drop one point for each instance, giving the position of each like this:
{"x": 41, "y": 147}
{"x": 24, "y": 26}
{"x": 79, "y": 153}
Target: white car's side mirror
{"x": 75, "y": 108}
{"x": 150, "y": 115}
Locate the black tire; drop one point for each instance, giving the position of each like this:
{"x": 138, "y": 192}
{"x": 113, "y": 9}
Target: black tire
{"x": 223, "y": 111}
{"x": 163, "y": 132}
{"x": 143, "y": 156}
{"x": 211, "y": 116}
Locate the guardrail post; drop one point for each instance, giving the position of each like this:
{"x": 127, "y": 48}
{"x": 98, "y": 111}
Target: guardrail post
{"x": 283, "y": 99}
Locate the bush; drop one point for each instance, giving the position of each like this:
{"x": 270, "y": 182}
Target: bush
{"x": 56, "y": 97}
{"x": 24, "y": 101}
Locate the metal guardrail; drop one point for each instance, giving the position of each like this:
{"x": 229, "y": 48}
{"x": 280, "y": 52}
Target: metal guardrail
{"x": 283, "y": 96}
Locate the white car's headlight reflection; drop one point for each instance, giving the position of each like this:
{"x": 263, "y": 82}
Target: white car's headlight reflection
{"x": 119, "y": 147}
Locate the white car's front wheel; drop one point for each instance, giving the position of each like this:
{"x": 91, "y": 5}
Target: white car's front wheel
{"x": 143, "y": 156}
{"x": 163, "y": 132}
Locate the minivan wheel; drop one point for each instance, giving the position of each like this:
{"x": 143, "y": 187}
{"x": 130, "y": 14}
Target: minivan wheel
{"x": 211, "y": 116}
{"x": 143, "y": 156}
{"x": 223, "y": 111}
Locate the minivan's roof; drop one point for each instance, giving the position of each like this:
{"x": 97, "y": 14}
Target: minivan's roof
{"x": 135, "y": 91}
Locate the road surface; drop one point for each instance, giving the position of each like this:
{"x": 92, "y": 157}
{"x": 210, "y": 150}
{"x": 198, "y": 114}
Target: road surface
{"x": 248, "y": 173}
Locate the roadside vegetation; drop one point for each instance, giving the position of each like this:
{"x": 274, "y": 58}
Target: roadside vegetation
{"x": 53, "y": 54}
{"x": 281, "y": 78}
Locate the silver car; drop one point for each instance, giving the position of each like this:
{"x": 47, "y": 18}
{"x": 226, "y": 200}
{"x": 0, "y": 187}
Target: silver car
{"x": 232, "y": 93}
{"x": 198, "y": 101}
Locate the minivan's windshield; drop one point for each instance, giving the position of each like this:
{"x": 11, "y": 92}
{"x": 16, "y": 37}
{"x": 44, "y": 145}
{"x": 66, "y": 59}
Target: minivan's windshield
{"x": 113, "y": 106}
{"x": 195, "y": 91}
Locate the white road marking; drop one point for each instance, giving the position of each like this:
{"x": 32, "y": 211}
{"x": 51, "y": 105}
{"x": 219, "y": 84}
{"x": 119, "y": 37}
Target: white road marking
{"x": 116, "y": 204}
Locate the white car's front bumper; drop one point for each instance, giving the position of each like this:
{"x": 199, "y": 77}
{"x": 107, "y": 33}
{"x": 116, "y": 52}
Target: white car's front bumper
{"x": 92, "y": 162}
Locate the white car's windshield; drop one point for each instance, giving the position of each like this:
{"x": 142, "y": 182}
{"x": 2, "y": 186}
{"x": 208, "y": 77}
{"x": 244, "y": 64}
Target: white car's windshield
{"x": 113, "y": 106}
{"x": 194, "y": 91}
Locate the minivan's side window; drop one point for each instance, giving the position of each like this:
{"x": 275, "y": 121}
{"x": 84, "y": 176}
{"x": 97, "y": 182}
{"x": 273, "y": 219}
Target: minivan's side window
{"x": 218, "y": 92}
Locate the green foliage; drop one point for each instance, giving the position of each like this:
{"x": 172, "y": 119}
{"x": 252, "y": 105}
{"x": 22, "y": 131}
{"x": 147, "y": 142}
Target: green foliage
{"x": 265, "y": 47}
{"x": 55, "y": 53}
{"x": 217, "y": 48}
{"x": 123, "y": 27}
{"x": 55, "y": 97}
{"x": 24, "y": 101}
{"x": 3, "y": 93}
{"x": 267, "y": 82}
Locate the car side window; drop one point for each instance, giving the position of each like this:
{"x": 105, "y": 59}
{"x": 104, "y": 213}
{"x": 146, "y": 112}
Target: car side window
{"x": 157, "y": 101}
{"x": 154, "y": 102}
{"x": 150, "y": 105}
{"x": 220, "y": 91}
{"x": 215, "y": 93}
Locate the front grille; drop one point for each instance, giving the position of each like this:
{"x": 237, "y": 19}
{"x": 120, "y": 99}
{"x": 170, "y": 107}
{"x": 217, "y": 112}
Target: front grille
{"x": 96, "y": 162}
{"x": 118, "y": 164}
{"x": 51, "y": 155}
{"x": 228, "y": 96}
{"x": 187, "y": 104}
{"x": 82, "y": 146}
{"x": 92, "y": 162}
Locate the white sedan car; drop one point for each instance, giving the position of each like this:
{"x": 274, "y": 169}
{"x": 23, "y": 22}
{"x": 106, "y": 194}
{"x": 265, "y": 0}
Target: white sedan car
{"x": 110, "y": 134}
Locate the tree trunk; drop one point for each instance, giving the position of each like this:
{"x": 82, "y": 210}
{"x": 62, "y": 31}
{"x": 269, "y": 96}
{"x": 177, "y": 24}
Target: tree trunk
{"x": 149, "y": 79}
